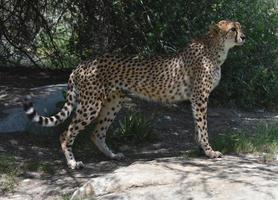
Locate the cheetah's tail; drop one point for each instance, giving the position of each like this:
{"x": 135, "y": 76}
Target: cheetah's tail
{"x": 54, "y": 120}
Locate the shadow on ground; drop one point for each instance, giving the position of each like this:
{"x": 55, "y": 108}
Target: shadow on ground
{"x": 39, "y": 170}
{"x": 43, "y": 173}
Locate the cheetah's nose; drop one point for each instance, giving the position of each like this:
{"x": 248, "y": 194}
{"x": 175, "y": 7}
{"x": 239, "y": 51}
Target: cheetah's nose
{"x": 242, "y": 37}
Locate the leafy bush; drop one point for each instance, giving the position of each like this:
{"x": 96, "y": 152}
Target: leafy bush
{"x": 250, "y": 74}
{"x": 135, "y": 129}
{"x": 61, "y": 33}
{"x": 262, "y": 139}
{"x": 8, "y": 172}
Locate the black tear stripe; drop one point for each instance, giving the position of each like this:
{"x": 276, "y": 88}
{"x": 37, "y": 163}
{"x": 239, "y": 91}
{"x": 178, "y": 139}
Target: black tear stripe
{"x": 236, "y": 37}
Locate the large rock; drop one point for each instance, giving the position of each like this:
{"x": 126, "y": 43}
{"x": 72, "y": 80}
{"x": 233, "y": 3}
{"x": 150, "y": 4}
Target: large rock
{"x": 175, "y": 178}
{"x": 13, "y": 118}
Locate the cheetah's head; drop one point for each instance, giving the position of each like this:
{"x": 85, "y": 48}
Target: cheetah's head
{"x": 230, "y": 31}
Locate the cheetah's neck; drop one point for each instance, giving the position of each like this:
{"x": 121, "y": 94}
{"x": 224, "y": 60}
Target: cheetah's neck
{"x": 220, "y": 49}
{"x": 222, "y": 53}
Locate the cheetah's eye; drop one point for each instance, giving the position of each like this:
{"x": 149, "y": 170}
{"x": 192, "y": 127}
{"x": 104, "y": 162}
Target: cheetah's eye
{"x": 233, "y": 29}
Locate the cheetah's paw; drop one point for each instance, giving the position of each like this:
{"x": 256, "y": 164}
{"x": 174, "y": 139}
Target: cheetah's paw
{"x": 119, "y": 156}
{"x": 75, "y": 165}
{"x": 214, "y": 154}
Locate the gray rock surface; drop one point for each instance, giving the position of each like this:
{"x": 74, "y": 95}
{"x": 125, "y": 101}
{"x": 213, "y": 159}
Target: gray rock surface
{"x": 233, "y": 178}
{"x": 12, "y": 117}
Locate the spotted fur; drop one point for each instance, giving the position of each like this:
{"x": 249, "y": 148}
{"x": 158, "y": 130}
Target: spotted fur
{"x": 99, "y": 86}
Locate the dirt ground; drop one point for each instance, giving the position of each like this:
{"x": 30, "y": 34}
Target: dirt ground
{"x": 45, "y": 174}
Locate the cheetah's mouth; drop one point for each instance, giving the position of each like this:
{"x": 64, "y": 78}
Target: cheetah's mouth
{"x": 240, "y": 40}
{"x": 239, "y": 43}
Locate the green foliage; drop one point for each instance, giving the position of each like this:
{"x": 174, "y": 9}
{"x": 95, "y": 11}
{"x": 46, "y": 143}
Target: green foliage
{"x": 10, "y": 169}
{"x": 262, "y": 139}
{"x": 7, "y": 164}
{"x": 60, "y": 55}
{"x": 8, "y": 173}
{"x": 250, "y": 74}
{"x": 135, "y": 129}
{"x": 159, "y": 26}
{"x": 61, "y": 33}
{"x": 37, "y": 166}
{"x": 65, "y": 197}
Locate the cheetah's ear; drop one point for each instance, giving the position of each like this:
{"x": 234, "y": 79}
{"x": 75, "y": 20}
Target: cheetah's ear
{"x": 238, "y": 24}
{"x": 214, "y": 29}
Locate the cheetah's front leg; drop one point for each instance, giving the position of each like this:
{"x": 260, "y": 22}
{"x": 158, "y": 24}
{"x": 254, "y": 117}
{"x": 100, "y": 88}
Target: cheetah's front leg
{"x": 199, "y": 109}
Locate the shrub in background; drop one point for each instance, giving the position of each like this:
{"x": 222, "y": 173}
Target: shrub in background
{"x": 60, "y": 33}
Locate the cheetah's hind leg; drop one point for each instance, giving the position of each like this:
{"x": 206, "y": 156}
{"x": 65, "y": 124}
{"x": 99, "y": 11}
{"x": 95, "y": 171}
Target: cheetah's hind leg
{"x": 110, "y": 108}
{"x": 84, "y": 116}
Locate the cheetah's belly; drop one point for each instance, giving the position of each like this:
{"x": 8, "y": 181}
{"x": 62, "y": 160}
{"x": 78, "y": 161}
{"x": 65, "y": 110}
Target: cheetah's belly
{"x": 167, "y": 92}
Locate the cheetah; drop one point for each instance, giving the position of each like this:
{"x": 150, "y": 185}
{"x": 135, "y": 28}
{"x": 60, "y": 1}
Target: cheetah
{"x": 97, "y": 87}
